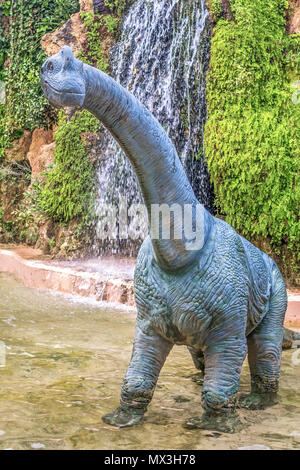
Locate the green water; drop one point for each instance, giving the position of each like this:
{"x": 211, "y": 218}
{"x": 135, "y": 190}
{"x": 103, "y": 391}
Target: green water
{"x": 64, "y": 366}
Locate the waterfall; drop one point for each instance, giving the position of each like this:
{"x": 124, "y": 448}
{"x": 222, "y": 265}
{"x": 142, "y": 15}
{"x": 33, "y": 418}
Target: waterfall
{"x": 161, "y": 58}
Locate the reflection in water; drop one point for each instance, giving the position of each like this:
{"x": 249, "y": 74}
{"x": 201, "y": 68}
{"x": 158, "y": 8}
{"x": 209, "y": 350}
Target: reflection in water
{"x": 65, "y": 362}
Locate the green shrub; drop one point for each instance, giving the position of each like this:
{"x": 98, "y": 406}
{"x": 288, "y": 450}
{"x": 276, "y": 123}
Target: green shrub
{"x": 69, "y": 189}
{"x": 215, "y": 8}
{"x": 252, "y": 131}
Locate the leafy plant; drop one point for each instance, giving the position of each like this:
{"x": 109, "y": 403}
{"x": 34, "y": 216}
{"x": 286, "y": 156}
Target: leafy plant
{"x": 252, "y": 131}
{"x": 23, "y": 23}
{"x": 68, "y": 192}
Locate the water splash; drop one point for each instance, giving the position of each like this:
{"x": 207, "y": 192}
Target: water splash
{"x": 161, "y": 58}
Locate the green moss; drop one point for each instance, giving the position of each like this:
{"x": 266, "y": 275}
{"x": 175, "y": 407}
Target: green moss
{"x": 69, "y": 189}
{"x": 94, "y": 54}
{"x": 252, "y": 131}
{"x": 215, "y": 8}
{"x": 23, "y": 23}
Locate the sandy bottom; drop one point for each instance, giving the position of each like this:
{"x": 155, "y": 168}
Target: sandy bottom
{"x": 65, "y": 362}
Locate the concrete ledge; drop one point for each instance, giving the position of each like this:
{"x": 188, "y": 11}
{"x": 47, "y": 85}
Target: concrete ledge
{"x": 53, "y": 276}
{"x": 105, "y": 280}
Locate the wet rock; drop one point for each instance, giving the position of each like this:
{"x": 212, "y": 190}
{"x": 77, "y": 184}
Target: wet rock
{"x": 46, "y": 233}
{"x": 101, "y": 7}
{"x": 93, "y": 143}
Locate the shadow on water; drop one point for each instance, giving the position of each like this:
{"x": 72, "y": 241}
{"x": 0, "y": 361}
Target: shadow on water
{"x": 64, "y": 366}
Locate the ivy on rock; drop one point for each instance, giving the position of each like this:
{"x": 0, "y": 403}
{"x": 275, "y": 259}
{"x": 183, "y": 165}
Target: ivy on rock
{"x": 252, "y": 131}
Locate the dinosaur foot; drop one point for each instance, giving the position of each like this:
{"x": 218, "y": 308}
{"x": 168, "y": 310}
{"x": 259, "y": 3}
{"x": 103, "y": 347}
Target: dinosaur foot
{"x": 124, "y": 417}
{"x": 223, "y": 422}
{"x": 258, "y": 401}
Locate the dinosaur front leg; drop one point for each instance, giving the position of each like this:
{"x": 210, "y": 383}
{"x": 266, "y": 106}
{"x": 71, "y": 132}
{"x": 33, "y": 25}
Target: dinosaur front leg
{"x": 149, "y": 354}
{"x": 223, "y": 363}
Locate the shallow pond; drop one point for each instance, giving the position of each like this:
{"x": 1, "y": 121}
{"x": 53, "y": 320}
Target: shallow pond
{"x": 65, "y": 361}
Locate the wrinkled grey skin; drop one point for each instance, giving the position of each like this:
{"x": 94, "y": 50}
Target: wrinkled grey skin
{"x": 221, "y": 301}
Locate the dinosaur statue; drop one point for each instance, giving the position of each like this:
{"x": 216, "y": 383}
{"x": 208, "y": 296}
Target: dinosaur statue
{"x": 221, "y": 298}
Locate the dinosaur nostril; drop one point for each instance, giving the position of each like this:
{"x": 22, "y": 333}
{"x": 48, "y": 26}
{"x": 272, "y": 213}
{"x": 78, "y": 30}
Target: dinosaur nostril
{"x": 49, "y": 65}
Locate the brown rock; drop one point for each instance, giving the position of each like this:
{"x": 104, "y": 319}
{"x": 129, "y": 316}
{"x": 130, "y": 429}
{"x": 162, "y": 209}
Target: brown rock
{"x": 20, "y": 148}
{"x": 86, "y": 5}
{"x": 72, "y": 34}
{"x": 293, "y": 23}
{"x": 40, "y": 153}
{"x": 226, "y": 7}
{"x": 100, "y": 8}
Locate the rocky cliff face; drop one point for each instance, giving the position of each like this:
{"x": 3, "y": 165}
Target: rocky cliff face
{"x": 72, "y": 34}
{"x": 34, "y": 149}
{"x": 40, "y": 153}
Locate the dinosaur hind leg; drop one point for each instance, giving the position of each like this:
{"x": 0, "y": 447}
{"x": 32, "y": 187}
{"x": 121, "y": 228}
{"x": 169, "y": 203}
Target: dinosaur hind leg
{"x": 224, "y": 357}
{"x": 264, "y": 351}
{"x": 198, "y": 360}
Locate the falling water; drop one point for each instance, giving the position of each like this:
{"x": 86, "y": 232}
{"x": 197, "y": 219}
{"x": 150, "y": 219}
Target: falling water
{"x": 161, "y": 58}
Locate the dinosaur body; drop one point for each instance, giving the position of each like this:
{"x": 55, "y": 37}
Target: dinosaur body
{"x": 183, "y": 307}
{"x": 220, "y": 299}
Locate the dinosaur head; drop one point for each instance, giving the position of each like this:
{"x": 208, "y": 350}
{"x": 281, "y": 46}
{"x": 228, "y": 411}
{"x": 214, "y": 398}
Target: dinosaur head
{"x": 63, "y": 80}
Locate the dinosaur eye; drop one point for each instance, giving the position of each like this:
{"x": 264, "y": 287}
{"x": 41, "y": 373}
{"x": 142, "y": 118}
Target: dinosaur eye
{"x": 50, "y": 66}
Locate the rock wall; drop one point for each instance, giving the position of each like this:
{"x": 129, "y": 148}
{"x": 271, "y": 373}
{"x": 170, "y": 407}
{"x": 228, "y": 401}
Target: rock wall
{"x": 36, "y": 148}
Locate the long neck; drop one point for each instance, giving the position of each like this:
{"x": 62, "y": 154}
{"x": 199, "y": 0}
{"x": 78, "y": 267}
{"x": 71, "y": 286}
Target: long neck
{"x": 150, "y": 151}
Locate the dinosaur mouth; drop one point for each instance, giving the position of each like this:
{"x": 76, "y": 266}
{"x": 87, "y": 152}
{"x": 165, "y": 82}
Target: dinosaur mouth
{"x": 62, "y": 92}
{"x": 63, "y": 97}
